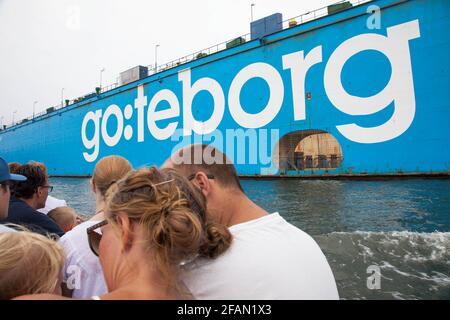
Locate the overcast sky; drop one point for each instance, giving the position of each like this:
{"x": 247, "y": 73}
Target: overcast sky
{"x": 47, "y": 45}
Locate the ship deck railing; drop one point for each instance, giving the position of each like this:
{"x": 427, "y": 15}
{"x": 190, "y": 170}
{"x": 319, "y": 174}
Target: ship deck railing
{"x": 300, "y": 19}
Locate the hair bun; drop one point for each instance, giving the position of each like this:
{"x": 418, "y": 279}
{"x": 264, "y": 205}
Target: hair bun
{"x": 218, "y": 241}
{"x": 177, "y": 232}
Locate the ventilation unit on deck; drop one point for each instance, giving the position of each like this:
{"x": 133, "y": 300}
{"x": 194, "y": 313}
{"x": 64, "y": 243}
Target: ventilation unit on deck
{"x": 334, "y": 8}
{"x": 133, "y": 74}
{"x": 265, "y": 26}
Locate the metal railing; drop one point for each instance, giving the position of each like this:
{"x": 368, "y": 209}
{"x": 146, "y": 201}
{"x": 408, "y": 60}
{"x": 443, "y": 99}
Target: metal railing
{"x": 55, "y": 108}
{"x": 109, "y": 87}
{"x": 320, "y": 162}
{"x": 196, "y": 55}
{"x": 318, "y": 13}
{"x": 301, "y": 19}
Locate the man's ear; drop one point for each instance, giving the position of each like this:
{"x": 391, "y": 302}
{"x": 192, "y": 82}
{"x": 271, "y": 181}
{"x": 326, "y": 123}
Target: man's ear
{"x": 127, "y": 233}
{"x": 202, "y": 181}
{"x": 39, "y": 192}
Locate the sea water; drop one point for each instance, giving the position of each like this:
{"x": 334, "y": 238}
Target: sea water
{"x": 399, "y": 227}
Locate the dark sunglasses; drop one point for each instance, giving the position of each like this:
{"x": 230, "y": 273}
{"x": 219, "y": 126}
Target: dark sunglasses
{"x": 94, "y": 237}
{"x": 192, "y": 176}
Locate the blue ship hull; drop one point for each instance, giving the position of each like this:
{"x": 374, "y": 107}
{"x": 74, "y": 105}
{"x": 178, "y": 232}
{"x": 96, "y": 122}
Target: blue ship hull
{"x": 376, "y": 82}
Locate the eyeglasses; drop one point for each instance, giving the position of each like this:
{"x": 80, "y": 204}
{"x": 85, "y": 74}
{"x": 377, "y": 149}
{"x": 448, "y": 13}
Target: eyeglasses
{"x": 94, "y": 237}
{"x": 50, "y": 188}
{"x": 192, "y": 176}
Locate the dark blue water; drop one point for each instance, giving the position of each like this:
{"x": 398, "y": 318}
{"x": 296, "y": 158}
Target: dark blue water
{"x": 400, "y": 226}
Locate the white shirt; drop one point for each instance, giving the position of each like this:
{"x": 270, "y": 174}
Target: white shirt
{"x": 4, "y": 229}
{"x": 268, "y": 259}
{"x": 52, "y": 203}
{"x": 82, "y": 270}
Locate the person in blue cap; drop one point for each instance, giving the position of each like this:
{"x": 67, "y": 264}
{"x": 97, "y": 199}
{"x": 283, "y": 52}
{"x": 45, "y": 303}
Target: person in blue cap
{"x": 5, "y": 193}
{"x": 26, "y": 198}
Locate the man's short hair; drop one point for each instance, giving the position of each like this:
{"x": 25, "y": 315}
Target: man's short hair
{"x": 35, "y": 178}
{"x": 208, "y": 159}
{"x": 40, "y": 165}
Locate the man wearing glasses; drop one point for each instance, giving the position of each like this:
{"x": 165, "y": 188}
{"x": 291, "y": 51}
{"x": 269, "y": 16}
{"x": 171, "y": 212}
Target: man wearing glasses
{"x": 5, "y": 181}
{"x": 29, "y": 196}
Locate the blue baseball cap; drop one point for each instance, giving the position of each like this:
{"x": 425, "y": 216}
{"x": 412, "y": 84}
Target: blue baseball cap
{"x": 6, "y": 176}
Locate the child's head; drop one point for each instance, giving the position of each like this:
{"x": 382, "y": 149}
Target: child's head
{"x": 29, "y": 264}
{"x": 65, "y": 218}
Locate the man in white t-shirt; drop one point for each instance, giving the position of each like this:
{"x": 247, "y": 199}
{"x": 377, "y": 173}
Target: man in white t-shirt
{"x": 269, "y": 258}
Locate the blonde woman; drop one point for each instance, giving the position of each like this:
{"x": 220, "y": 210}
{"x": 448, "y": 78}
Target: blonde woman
{"x": 155, "y": 221}
{"x": 82, "y": 272}
{"x": 29, "y": 264}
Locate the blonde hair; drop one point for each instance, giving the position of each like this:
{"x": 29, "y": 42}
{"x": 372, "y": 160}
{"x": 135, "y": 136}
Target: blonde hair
{"x": 108, "y": 171}
{"x": 29, "y": 264}
{"x": 172, "y": 216}
{"x": 218, "y": 237}
{"x": 65, "y": 217}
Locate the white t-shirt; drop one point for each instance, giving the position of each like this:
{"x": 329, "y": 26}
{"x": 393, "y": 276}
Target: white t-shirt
{"x": 82, "y": 270}
{"x": 5, "y": 229}
{"x": 52, "y": 203}
{"x": 268, "y": 259}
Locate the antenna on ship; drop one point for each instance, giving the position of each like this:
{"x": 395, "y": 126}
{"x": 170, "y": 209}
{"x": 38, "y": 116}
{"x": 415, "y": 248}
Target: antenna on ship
{"x": 156, "y": 58}
{"x": 251, "y": 10}
{"x": 34, "y": 107}
{"x": 101, "y": 71}
{"x": 13, "y": 117}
